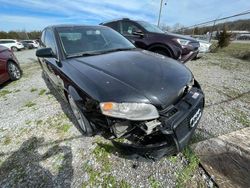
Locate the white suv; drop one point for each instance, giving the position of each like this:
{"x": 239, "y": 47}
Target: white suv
{"x": 12, "y": 44}
{"x": 33, "y": 42}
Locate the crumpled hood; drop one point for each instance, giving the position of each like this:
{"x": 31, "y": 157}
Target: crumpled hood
{"x": 123, "y": 74}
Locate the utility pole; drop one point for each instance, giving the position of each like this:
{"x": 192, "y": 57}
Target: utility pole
{"x": 159, "y": 18}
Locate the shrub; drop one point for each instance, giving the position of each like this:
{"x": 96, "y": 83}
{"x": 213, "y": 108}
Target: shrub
{"x": 224, "y": 38}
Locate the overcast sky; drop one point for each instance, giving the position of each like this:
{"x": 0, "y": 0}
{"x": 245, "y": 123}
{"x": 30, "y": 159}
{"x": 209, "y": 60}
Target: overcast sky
{"x": 36, "y": 14}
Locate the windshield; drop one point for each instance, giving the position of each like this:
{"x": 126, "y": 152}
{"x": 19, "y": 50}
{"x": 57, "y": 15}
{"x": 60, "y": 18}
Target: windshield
{"x": 91, "y": 40}
{"x": 150, "y": 27}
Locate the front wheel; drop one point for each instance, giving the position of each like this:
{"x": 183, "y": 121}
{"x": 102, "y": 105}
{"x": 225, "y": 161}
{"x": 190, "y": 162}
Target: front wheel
{"x": 14, "y": 71}
{"x": 81, "y": 119}
{"x": 14, "y": 49}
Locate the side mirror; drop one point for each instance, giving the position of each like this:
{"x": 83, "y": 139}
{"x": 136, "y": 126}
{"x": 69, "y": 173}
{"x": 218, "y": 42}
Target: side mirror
{"x": 45, "y": 52}
{"x": 137, "y": 32}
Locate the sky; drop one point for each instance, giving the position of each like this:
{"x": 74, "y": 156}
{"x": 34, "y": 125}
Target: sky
{"x": 36, "y": 14}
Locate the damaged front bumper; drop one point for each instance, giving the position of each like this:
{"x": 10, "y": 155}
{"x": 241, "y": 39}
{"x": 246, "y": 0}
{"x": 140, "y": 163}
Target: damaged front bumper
{"x": 177, "y": 124}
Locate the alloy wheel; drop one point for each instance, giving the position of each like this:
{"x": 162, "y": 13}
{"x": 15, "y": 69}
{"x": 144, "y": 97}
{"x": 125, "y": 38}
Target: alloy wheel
{"x": 14, "y": 71}
{"x": 77, "y": 113}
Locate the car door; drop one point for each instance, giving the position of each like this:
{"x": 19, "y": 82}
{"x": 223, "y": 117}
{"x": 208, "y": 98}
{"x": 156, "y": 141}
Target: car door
{"x": 3, "y": 65}
{"x": 52, "y": 66}
{"x": 128, "y": 29}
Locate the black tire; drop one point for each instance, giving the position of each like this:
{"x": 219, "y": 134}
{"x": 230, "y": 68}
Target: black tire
{"x": 14, "y": 71}
{"x": 162, "y": 52}
{"x": 14, "y": 49}
{"x": 82, "y": 121}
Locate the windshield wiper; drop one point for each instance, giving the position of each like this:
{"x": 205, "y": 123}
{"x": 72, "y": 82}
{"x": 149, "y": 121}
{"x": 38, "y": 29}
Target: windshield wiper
{"x": 82, "y": 54}
{"x": 117, "y": 49}
{"x": 98, "y": 52}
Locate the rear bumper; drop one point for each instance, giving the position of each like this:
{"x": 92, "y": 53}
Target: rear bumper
{"x": 178, "y": 124}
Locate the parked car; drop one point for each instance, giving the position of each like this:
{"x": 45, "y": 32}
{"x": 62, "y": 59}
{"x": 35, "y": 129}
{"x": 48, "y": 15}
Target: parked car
{"x": 27, "y": 45}
{"x": 204, "y": 47}
{"x": 13, "y": 45}
{"x": 112, "y": 86}
{"x": 149, "y": 37}
{"x": 34, "y": 43}
{"x": 9, "y": 65}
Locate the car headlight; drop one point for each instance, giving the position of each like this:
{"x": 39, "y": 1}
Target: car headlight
{"x": 182, "y": 41}
{"x": 130, "y": 111}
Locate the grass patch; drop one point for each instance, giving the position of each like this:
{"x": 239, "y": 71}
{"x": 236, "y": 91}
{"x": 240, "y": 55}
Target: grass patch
{"x": 184, "y": 175}
{"x": 99, "y": 179}
{"x": 7, "y": 140}
{"x": 241, "y": 117}
{"x": 237, "y": 50}
{"x": 154, "y": 183}
{"x": 33, "y": 90}
{"x": 4, "y": 92}
{"x": 42, "y": 92}
{"x": 65, "y": 127}
{"x": 102, "y": 153}
{"x": 103, "y": 177}
{"x": 28, "y": 122}
{"x": 17, "y": 90}
{"x": 39, "y": 122}
{"x": 29, "y": 104}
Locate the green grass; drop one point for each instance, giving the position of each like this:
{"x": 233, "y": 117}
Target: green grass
{"x": 184, "y": 175}
{"x": 29, "y": 104}
{"x": 102, "y": 177}
{"x": 4, "y": 92}
{"x": 7, "y": 140}
{"x": 154, "y": 183}
{"x": 33, "y": 90}
{"x": 238, "y": 50}
{"x": 65, "y": 127}
{"x": 39, "y": 122}
{"x": 241, "y": 117}
{"x": 42, "y": 92}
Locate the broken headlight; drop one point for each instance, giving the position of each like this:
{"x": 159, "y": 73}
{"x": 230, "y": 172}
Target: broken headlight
{"x": 130, "y": 111}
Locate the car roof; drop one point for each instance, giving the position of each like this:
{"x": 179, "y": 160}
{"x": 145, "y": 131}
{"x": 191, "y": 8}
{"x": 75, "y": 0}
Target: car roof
{"x": 7, "y": 39}
{"x": 72, "y": 25}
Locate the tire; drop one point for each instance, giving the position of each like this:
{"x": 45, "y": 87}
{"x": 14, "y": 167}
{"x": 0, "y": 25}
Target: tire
{"x": 82, "y": 121}
{"x": 14, "y": 71}
{"x": 14, "y": 49}
{"x": 162, "y": 52}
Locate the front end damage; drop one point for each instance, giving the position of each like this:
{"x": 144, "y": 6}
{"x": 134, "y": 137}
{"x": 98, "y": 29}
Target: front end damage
{"x": 167, "y": 135}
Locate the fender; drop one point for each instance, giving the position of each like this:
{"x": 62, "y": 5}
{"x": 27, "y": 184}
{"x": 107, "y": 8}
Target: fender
{"x": 77, "y": 98}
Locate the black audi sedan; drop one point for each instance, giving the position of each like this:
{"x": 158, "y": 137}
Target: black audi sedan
{"x": 147, "y": 103}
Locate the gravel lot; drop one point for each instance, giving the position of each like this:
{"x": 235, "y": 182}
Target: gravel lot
{"x": 41, "y": 146}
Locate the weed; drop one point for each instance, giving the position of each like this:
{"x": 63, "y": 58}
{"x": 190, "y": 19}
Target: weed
{"x": 7, "y": 140}
{"x": 184, "y": 175}
{"x": 42, "y": 91}
{"x": 99, "y": 179}
{"x": 33, "y": 90}
{"x": 39, "y": 122}
{"x": 65, "y": 127}
{"x": 4, "y": 92}
{"x": 29, "y": 104}
{"x": 154, "y": 183}
{"x": 28, "y": 122}
{"x": 241, "y": 117}
{"x": 17, "y": 90}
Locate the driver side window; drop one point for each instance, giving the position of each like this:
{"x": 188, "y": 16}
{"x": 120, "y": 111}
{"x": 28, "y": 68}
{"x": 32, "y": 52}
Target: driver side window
{"x": 49, "y": 41}
{"x": 128, "y": 28}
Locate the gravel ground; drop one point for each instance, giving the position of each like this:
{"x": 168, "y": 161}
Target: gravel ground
{"x": 41, "y": 146}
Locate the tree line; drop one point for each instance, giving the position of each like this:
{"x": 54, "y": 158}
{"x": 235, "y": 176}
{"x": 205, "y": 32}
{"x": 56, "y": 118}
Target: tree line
{"x": 20, "y": 35}
{"x": 239, "y": 25}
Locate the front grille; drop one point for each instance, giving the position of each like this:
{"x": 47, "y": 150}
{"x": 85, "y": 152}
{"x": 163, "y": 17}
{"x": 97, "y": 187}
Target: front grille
{"x": 184, "y": 127}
